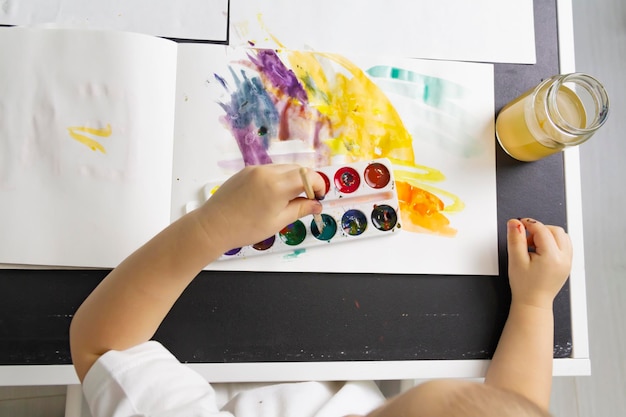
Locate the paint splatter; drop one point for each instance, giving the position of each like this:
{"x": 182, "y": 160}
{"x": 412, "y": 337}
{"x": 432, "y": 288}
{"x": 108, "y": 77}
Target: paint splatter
{"x": 335, "y": 108}
{"x": 79, "y": 133}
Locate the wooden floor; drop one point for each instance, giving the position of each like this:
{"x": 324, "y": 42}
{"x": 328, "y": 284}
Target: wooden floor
{"x": 600, "y": 36}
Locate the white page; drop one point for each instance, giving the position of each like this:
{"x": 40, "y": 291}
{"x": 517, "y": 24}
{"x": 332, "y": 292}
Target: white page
{"x": 479, "y": 30}
{"x": 199, "y": 19}
{"x": 454, "y": 135}
{"x": 63, "y": 203}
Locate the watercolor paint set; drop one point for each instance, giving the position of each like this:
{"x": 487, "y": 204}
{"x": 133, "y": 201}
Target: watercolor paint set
{"x": 361, "y": 202}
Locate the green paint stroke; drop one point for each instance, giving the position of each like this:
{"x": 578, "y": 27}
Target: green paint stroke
{"x": 432, "y": 90}
{"x": 441, "y": 98}
{"x": 294, "y": 254}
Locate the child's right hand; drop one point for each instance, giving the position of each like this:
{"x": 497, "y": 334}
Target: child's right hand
{"x": 537, "y": 275}
{"x": 256, "y": 203}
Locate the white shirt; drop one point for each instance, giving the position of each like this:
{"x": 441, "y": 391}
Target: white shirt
{"x": 147, "y": 380}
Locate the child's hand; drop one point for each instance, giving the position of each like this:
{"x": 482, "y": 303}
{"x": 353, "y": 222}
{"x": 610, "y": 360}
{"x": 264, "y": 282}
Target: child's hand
{"x": 256, "y": 203}
{"x": 540, "y": 259}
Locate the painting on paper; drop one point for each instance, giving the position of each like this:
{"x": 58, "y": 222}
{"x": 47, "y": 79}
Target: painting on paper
{"x": 432, "y": 120}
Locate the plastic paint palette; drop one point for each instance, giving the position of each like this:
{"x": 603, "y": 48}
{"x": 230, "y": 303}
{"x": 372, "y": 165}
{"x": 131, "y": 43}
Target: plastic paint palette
{"x": 361, "y": 202}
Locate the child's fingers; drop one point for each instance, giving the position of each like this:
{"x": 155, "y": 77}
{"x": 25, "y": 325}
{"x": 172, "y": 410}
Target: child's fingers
{"x": 286, "y": 180}
{"x": 541, "y": 237}
{"x": 517, "y": 244}
{"x": 300, "y": 207}
{"x": 289, "y": 180}
{"x": 561, "y": 238}
{"x": 296, "y": 209}
{"x": 530, "y": 241}
{"x": 317, "y": 183}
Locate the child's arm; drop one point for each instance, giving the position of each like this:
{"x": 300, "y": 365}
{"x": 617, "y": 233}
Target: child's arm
{"x": 129, "y": 304}
{"x": 523, "y": 359}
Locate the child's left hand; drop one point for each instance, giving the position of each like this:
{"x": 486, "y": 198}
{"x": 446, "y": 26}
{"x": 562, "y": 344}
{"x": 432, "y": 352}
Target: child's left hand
{"x": 256, "y": 203}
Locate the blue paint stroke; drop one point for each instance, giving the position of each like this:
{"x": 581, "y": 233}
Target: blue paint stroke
{"x": 252, "y": 118}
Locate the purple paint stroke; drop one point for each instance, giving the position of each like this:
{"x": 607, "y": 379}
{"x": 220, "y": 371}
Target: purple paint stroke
{"x": 281, "y": 77}
{"x": 221, "y": 80}
{"x": 251, "y": 147}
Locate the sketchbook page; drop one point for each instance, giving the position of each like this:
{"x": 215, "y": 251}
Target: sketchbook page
{"x": 434, "y": 118}
{"x": 195, "y": 19}
{"x": 86, "y": 129}
{"x": 480, "y": 30}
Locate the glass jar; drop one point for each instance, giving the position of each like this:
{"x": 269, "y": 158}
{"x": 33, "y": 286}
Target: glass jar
{"x": 562, "y": 111}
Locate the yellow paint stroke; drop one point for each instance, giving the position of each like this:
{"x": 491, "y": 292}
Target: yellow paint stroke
{"x": 365, "y": 125}
{"x": 77, "y": 133}
{"x": 412, "y": 178}
{"x": 259, "y": 17}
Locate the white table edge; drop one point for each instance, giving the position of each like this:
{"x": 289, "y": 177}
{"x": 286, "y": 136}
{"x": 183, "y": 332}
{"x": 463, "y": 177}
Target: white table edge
{"x": 22, "y": 375}
{"x": 573, "y": 193}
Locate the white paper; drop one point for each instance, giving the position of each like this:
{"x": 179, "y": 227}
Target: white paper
{"x": 454, "y": 135}
{"x": 479, "y": 30}
{"x": 200, "y": 19}
{"x": 69, "y": 196}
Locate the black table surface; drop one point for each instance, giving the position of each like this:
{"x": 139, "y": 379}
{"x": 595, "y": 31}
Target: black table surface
{"x": 229, "y": 317}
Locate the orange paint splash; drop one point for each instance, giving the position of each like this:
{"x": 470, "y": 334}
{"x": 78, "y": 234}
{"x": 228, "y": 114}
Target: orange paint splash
{"x": 421, "y": 211}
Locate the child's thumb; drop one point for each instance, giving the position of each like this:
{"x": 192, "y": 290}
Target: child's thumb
{"x": 517, "y": 245}
{"x": 303, "y": 207}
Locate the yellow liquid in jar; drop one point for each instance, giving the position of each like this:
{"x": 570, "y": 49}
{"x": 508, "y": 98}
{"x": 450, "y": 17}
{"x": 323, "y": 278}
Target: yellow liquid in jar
{"x": 518, "y": 140}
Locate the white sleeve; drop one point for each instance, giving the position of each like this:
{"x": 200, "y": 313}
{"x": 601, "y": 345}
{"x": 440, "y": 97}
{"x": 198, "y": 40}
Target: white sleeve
{"x": 307, "y": 399}
{"x": 147, "y": 380}
{"x": 355, "y": 397}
